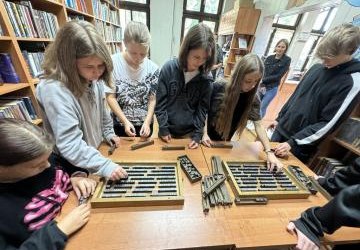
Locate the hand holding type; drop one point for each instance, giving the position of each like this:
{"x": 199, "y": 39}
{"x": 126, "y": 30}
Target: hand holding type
{"x": 273, "y": 125}
{"x": 75, "y": 219}
{"x": 83, "y": 186}
{"x": 282, "y": 149}
{"x": 145, "y": 130}
{"x": 193, "y": 144}
{"x": 116, "y": 140}
{"x": 273, "y": 162}
{"x": 206, "y": 140}
{"x": 118, "y": 173}
{"x": 130, "y": 129}
{"x": 303, "y": 242}
{"x": 166, "y": 138}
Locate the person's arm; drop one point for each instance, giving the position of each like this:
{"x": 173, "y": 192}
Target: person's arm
{"x": 116, "y": 109}
{"x": 345, "y": 177}
{"x": 63, "y": 117}
{"x": 276, "y": 77}
{"x": 161, "y": 103}
{"x": 206, "y": 139}
{"x": 47, "y": 237}
{"x": 342, "y": 210}
{"x": 330, "y": 114}
{"x": 201, "y": 112}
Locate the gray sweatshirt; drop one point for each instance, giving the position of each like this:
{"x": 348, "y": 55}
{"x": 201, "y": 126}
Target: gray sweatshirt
{"x": 78, "y": 125}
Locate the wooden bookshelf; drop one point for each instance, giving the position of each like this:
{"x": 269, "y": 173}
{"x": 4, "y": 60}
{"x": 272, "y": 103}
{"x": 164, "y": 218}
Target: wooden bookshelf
{"x": 335, "y": 147}
{"x": 13, "y": 43}
{"x": 347, "y": 146}
{"x": 238, "y": 26}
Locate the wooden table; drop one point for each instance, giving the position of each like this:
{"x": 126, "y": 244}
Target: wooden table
{"x": 172, "y": 227}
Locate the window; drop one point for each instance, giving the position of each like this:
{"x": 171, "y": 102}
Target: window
{"x": 283, "y": 28}
{"x": 135, "y": 10}
{"x": 206, "y": 11}
{"x": 321, "y": 25}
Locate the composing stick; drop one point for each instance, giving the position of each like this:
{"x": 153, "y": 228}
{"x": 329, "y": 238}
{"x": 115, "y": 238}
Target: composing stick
{"x": 83, "y": 200}
{"x": 173, "y": 147}
{"x": 222, "y": 145}
{"x": 251, "y": 201}
{"x": 320, "y": 188}
{"x": 213, "y": 186}
{"x": 142, "y": 144}
{"x": 299, "y": 174}
{"x": 112, "y": 149}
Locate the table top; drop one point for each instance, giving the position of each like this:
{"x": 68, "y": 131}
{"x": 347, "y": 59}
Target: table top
{"x": 186, "y": 226}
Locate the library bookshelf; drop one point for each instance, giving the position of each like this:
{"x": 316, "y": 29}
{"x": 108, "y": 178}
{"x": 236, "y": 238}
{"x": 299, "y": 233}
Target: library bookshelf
{"x": 337, "y": 148}
{"x": 28, "y": 26}
{"x": 238, "y": 27}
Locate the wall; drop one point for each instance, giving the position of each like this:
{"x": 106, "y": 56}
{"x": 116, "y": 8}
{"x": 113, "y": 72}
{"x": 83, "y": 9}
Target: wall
{"x": 165, "y": 29}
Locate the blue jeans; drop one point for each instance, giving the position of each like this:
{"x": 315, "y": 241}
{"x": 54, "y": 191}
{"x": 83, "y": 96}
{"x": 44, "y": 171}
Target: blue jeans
{"x": 266, "y": 99}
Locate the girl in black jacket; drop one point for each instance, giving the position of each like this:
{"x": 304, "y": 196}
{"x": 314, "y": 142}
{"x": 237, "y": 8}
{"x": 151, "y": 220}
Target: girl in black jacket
{"x": 32, "y": 192}
{"x": 184, "y": 87}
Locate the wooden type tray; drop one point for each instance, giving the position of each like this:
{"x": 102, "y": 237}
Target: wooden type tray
{"x": 271, "y": 185}
{"x": 148, "y": 184}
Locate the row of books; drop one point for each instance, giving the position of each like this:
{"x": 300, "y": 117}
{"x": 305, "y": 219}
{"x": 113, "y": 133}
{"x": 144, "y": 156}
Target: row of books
{"x": 103, "y": 12}
{"x": 350, "y": 132}
{"x": 7, "y": 70}
{"x": 77, "y": 5}
{"x": 19, "y": 108}
{"x": 109, "y": 32}
{"x": 29, "y": 22}
{"x": 113, "y": 48}
{"x": 34, "y": 61}
{"x": 327, "y": 167}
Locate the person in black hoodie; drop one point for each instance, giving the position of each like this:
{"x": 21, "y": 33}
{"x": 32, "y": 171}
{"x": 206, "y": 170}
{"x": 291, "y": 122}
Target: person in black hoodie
{"x": 342, "y": 210}
{"x": 323, "y": 97}
{"x": 184, "y": 87}
{"x": 32, "y": 192}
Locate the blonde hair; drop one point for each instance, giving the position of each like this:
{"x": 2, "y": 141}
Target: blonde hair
{"x": 248, "y": 64}
{"x": 342, "y": 39}
{"x": 76, "y": 39}
{"x": 137, "y": 32}
{"x": 199, "y": 36}
{"x": 22, "y": 141}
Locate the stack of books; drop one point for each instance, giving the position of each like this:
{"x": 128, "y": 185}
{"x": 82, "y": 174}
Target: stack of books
{"x": 7, "y": 70}
{"x": 327, "y": 167}
{"x": 20, "y": 108}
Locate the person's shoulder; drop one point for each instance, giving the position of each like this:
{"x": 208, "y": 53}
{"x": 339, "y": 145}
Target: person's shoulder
{"x": 287, "y": 58}
{"x": 151, "y": 65}
{"x": 49, "y": 84}
{"x": 171, "y": 65}
{"x": 219, "y": 85}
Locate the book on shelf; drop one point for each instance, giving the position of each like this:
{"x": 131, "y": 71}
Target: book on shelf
{"x": 17, "y": 107}
{"x": 350, "y": 132}
{"x": 327, "y": 167}
{"x": 1, "y": 31}
{"x": 7, "y": 69}
{"x": 34, "y": 61}
{"x": 242, "y": 42}
{"x": 29, "y": 22}
{"x": 79, "y": 5}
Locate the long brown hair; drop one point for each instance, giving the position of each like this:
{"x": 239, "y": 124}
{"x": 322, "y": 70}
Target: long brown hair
{"x": 22, "y": 141}
{"x": 199, "y": 36}
{"x": 76, "y": 39}
{"x": 248, "y": 64}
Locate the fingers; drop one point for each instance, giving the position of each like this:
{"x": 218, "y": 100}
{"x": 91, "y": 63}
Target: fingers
{"x": 116, "y": 140}
{"x": 166, "y": 138}
{"x": 193, "y": 145}
{"x": 206, "y": 143}
{"x": 145, "y": 131}
{"x": 291, "y": 228}
{"x": 85, "y": 187}
{"x": 118, "y": 173}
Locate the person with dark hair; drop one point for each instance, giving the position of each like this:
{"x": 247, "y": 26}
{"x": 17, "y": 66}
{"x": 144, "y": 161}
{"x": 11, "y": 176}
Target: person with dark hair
{"x": 323, "y": 97}
{"x": 276, "y": 66}
{"x": 235, "y": 102}
{"x": 342, "y": 210}
{"x": 32, "y": 192}
{"x": 184, "y": 87}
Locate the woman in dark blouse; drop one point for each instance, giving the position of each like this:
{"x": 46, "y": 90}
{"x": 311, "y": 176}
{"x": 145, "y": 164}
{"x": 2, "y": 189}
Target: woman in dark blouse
{"x": 276, "y": 66}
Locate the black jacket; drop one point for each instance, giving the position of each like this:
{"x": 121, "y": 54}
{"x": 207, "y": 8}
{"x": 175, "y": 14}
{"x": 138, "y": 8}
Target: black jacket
{"x": 275, "y": 70}
{"x": 342, "y": 210}
{"x": 28, "y": 208}
{"x": 182, "y": 108}
{"x": 319, "y": 103}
